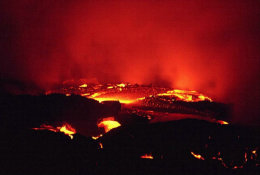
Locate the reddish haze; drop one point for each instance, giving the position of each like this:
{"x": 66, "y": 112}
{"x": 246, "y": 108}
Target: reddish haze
{"x": 211, "y": 47}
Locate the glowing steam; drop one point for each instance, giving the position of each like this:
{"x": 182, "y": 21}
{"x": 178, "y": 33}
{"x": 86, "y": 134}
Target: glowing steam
{"x": 207, "y": 46}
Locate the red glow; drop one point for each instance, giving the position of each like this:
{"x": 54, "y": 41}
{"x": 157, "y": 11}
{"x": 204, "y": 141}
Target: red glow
{"x": 210, "y": 46}
{"x": 83, "y": 85}
{"x": 97, "y": 137}
{"x": 121, "y": 100}
{"x": 128, "y": 93}
{"x": 147, "y": 156}
{"x": 108, "y": 123}
{"x": 66, "y": 129}
{"x": 197, "y": 156}
{"x": 222, "y": 122}
{"x": 183, "y": 95}
{"x": 188, "y": 96}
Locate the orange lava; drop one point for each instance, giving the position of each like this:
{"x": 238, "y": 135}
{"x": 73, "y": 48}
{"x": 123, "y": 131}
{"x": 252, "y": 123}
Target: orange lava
{"x": 127, "y": 93}
{"x": 182, "y": 95}
{"x": 97, "y": 137}
{"x": 197, "y": 156}
{"x": 185, "y": 95}
{"x": 121, "y": 100}
{"x": 222, "y": 122}
{"x": 147, "y": 156}
{"x": 101, "y": 145}
{"x": 83, "y": 85}
{"x": 66, "y": 129}
{"x": 108, "y": 124}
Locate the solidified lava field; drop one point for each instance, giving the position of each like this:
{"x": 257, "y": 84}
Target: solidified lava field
{"x": 157, "y": 133}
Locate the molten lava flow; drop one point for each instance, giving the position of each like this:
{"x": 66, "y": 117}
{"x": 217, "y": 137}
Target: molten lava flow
{"x": 83, "y": 85}
{"x": 97, "y": 137}
{"x": 108, "y": 124}
{"x": 125, "y": 101}
{"x": 231, "y": 164}
{"x": 185, "y": 95}
{"x": 121, "y": 85}
{"x": 222, "y": 122}
{"x": 66, "y": 129}
{"x": 96, "y": 94}
{"x": 46, "y": 127}
{"x": 110, "y": 93}
{"x": 128, "y": 93}
{"x": 119, "y": 93}
{"x": 147, "y": 156}
{"x": 197, "y": 156}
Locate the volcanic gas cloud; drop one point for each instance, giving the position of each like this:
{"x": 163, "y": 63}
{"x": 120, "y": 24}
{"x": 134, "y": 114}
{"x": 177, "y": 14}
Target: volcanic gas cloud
{"x": 210, "y": 47}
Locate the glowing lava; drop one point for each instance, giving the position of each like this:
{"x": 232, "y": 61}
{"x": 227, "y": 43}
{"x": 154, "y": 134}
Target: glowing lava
{"x": 180, "y": 95}
{"x": 128, "y": 93}
{"x": 108, "y": 124}
{"x": 83, "y": 85}
{"x": 185, "y": 95}
{"x": 222, "y": 122}
{"x": 147, "y": 156}
{"x": 197, "y": 156}
{"x": 66, "y": 129}
{"x": 97, "y": 137}
{"x": 125, "y": 101}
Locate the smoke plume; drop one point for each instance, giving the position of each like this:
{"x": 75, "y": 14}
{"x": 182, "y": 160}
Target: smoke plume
{"x": 208, "y": 46}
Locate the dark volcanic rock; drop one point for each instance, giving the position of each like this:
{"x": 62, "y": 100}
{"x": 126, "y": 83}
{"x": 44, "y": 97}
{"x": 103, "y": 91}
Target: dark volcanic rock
{"x": 27, "y": 111}
{"x": 46, "y": 152}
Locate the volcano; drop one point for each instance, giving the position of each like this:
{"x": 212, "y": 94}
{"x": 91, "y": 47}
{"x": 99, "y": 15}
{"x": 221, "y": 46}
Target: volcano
{"x": 123, "y": 128}
{"x": 129, "y": 87}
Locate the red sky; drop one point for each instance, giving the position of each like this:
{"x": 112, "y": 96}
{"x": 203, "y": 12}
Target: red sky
{"x": 208, "y": 46}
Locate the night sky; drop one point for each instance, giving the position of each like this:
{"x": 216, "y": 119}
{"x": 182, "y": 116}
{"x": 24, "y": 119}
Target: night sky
{"x": 209, "y": 46}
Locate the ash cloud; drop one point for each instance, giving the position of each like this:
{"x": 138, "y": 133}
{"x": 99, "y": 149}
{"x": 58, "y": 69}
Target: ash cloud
{"x": 208, "y": 46}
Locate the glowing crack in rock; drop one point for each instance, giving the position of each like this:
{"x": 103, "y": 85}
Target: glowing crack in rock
{"x": 197, "y": 156}
{"x": 67, "y": 129}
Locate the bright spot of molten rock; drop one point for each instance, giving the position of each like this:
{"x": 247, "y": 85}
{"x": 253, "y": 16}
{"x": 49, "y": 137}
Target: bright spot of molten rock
{"x": 66, "y": 129}
{"x": 125, "y": 101}
{"x": 95, "y": 95}
{"x": 122, "y": 93}
{"x": 197, "y": 156}
{"x": 185, "y": 95}
{"x": 108, "y": 124}
{"x": 147, "y": 156}
{"x": 83, "y": 85}
{"x": 97, "y": 137}
{"x": 222, "y": 122}
{"x": 121, "y": 85}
